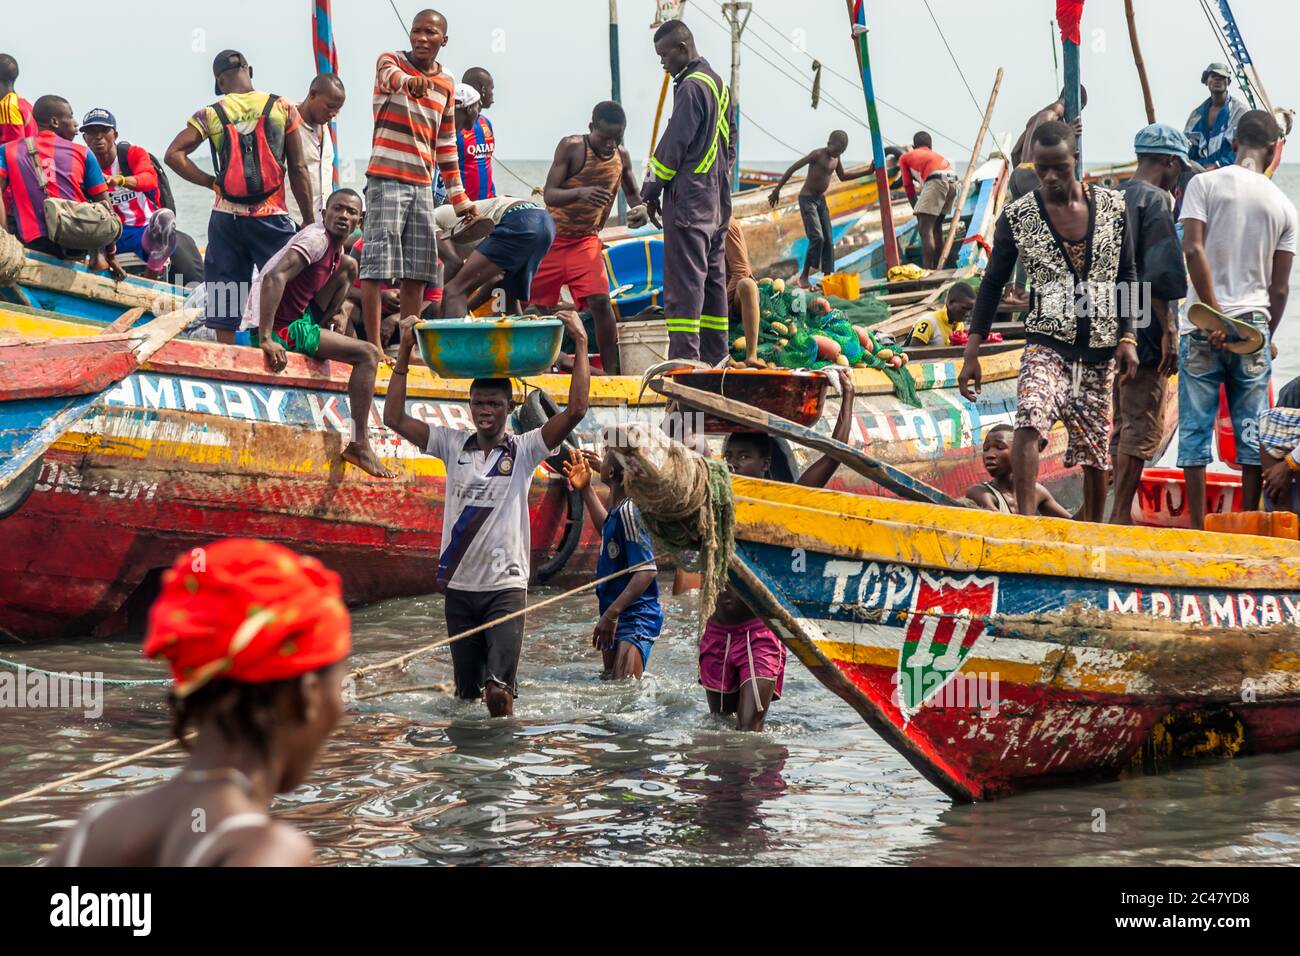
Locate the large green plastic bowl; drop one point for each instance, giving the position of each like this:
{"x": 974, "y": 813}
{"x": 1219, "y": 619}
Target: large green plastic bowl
{"x": 489, "y": 348}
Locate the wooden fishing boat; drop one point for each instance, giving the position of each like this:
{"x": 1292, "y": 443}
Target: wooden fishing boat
{"x": 999, "y": 653}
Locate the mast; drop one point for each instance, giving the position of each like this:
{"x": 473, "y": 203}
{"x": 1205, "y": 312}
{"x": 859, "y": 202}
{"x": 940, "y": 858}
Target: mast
{"x": 1068, "y": 15}
{"x": 858, "y": 18}
{"x": 327, "y": 61}
{"x": 1138, "y": 62}
{"x": 615, "y": 81}
{"x": 732, "y": 11}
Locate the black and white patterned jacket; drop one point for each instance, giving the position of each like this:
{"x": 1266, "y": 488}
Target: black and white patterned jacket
{"x": 1079, "y": 315}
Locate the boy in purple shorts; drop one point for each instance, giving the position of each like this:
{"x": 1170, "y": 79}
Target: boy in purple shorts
{"x": 742, "y": 663}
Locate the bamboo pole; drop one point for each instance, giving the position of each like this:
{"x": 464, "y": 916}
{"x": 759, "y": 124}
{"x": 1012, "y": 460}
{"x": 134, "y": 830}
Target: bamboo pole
{"x": 858, "y": 20}
{"x": 659, "y": 113}
{"x": 1138, "y": 62}
{"x": 970, "y": 170}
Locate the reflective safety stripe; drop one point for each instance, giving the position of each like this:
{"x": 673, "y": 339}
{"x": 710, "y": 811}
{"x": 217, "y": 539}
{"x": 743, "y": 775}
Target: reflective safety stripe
{"x": 723, "y": 128}
{"x": 716, "y": 323}
{"x": 660, "y": 170}
{"x": 683, "y": 325}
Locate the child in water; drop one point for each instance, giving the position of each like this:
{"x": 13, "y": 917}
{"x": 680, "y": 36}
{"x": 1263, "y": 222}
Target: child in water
{"x": 999, "y": 493}
{"x": 630, "y": 615}
{"x": 256, "y": 636}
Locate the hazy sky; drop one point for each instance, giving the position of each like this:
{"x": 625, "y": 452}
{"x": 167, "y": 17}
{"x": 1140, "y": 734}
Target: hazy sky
{"x": 151, "y": 64}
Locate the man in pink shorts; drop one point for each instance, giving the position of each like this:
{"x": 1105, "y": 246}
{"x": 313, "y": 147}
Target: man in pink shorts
{"x": 742, "y": 663}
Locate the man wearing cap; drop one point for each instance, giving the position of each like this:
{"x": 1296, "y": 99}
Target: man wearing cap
{"x": 475, "y": 139}
{"x": 1212, "y": 125}
{"x": 1239, "y": 240}
{"x": 1139, "y": 433}
{"x": 249, "y": 223}
{"x": 148, "y": 230}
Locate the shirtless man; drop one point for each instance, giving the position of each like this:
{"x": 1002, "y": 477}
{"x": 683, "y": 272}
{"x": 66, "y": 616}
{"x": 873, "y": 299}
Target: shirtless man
{"x": 821, "y": 163}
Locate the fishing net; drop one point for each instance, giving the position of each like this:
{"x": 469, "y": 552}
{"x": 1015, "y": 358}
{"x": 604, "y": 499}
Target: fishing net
{"x": 867, "y": 310}
{"x": 689, "y": 508}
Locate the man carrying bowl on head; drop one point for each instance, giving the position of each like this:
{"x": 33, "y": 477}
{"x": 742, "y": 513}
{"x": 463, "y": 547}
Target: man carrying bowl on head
{"x": 483, "y": 567}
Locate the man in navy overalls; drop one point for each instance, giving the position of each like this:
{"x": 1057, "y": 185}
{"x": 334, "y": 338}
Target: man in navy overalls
{"x": 691, "y": 169}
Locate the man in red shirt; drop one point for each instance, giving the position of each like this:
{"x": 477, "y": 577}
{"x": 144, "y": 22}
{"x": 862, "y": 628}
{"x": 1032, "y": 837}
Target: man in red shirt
{"x": 15, "y": 112}
{"x": 938, "y": 187}
{"x": 68, "y": 171}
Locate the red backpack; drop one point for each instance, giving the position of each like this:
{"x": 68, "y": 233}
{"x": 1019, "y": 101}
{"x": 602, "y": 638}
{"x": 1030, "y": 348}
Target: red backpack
{"x": 249, "y": 166}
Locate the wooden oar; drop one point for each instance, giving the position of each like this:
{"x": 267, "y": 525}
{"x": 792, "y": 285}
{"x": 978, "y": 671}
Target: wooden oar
{"x": 897, "y": 481}
{"x": 30, "y": 425}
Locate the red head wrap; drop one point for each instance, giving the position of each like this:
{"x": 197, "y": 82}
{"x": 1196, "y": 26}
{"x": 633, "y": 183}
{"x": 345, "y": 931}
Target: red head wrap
{"x": 248, "y": 611}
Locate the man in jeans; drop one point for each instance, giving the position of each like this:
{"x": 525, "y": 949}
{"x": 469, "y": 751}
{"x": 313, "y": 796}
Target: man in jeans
{"x": 1239, "y": 239}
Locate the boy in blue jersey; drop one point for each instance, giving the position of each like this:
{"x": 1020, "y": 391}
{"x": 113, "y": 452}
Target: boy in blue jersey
{"x": 630, "y": 615}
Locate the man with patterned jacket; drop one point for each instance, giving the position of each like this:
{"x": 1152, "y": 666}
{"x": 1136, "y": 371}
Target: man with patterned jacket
{"x": 1074, "y": 242}
{"x": 691, "y": 171}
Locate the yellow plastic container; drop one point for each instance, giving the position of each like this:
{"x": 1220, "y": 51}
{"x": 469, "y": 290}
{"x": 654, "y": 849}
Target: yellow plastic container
{"x": 843, "y": 285}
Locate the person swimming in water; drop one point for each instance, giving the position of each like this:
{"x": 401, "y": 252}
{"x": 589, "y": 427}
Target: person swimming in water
{"x": 256, "y": 636}
{"x": 999, "y": 493}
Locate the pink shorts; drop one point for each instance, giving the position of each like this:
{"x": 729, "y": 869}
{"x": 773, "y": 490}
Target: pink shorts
{"x": 732, "y": 654}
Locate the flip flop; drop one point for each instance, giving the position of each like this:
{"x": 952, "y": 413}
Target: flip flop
{"x": 474, "y": 231}
{"x": 1243, "y": 338}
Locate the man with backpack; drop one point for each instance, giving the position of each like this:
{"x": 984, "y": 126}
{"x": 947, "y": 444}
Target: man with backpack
{"x": 57, "y": 191}
{"x": 142, "y": 197}
{"x": 254, "y": 152}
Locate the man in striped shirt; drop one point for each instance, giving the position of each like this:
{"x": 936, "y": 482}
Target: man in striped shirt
{"x": 415, "y": 126}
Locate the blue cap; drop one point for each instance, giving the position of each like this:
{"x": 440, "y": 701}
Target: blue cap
{"x": 98, "y": 117}
{"x": 1162, "y": 138}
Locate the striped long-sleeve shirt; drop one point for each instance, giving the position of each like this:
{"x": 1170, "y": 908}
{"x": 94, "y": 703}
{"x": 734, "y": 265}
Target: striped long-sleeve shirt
{"x": 414, "y": 133}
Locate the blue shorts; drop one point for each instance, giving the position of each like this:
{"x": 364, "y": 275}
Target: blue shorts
{"x": 130, "y": 241}
{"x": 517, "y": 245}
{"x": 1201, "y": 370}
{"x": 235, "y": 245}
{"x": 640, "y": 642}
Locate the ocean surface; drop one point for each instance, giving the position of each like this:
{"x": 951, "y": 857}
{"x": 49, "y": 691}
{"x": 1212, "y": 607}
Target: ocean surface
{"x": 594, "y": 772}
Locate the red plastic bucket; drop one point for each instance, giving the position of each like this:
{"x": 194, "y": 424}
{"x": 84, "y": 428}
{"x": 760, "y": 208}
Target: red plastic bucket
{"x": 1161, "y": 501}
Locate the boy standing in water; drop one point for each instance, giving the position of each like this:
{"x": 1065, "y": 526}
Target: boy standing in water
{"x": 816, "y": 214}
{"x": 737, "y": 649}
{"x": 483, "y": 567}
{"x": 630, "y": 615}
{"x": 999, "y": 494}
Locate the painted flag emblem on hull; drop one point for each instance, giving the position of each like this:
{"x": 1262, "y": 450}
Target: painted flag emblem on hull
{"x": 947, "y": 618}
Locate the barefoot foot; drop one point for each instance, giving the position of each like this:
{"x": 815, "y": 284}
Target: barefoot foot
{"x": 364, "y": 458}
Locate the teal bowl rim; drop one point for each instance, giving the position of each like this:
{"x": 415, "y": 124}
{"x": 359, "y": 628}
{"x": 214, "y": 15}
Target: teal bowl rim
{"x": 512, "y": 322}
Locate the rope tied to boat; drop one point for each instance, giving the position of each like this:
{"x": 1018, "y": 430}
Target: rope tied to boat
{"x": 85, "y": 678}
{"x": 691, "y": 515}
{"x": 12, "y": 258}
{"x": 352, "y": 676}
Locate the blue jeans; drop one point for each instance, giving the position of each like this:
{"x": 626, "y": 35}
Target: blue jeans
{"x": 1201, "y": 370}
{"x": 235, "y": 245}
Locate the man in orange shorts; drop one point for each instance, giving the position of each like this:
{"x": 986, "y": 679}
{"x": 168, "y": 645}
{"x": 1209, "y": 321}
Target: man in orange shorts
{"x": 585, "y": 176}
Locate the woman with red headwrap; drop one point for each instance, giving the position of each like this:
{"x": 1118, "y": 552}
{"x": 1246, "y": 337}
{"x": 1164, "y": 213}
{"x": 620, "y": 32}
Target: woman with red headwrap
{"x": 256, "y": 636}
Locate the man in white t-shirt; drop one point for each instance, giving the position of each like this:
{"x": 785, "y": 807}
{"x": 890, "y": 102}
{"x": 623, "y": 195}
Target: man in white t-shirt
{"x": 324, "y": 99}
{"x": 483, "y": 567}
{"x": 1239, "y": 239}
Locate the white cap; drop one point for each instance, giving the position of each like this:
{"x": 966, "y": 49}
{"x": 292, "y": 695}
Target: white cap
{"x": 466, "y": 95}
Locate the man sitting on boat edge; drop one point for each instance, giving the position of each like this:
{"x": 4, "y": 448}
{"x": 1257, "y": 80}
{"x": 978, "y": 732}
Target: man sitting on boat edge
{"x": 293, "y": 307}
